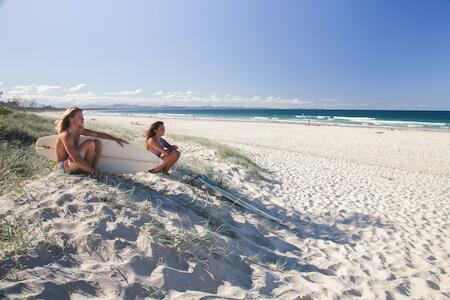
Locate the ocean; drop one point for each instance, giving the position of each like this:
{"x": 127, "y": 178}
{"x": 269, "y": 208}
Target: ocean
{"x": 376, "y": 118}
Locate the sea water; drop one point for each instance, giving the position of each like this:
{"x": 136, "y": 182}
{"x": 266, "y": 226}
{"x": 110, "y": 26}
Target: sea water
{"x": 378, "y": 118}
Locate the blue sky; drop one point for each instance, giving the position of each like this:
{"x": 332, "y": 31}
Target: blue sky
{"x": 379, "y": 54}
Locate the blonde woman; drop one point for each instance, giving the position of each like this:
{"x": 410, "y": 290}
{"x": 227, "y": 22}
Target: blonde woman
{"x": 70, "y": 154}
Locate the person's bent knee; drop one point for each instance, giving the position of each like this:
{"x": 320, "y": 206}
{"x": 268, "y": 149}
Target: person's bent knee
{"x": 89, "y": 142}
{"x": 87, "y": 145}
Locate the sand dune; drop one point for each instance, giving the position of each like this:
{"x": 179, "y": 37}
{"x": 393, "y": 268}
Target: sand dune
{"x": 365, "y": 215}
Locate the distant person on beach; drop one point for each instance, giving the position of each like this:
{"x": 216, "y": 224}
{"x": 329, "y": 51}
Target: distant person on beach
{"x": 70, "y": 154}
{"x": 160, "y": 147}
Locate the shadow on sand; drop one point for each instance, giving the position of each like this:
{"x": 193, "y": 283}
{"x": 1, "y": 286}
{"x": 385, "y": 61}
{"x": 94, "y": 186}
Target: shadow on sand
{"x": 244, "y": 241}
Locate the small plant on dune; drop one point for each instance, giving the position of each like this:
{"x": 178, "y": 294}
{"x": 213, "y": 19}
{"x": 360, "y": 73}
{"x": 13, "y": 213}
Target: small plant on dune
{"x": 213, "y": 218}
{"x": 193, "y": 168}
{"x": 280, "y": 265}
{"x": 195, "y": 243}
{"x": 239, "y": 159}
{"x": 19, "y": 234}
{"x": 223, "y": 151}
{"x": 266, "y": 226}
{"x": 277, "y": 265}
{"x": 256, "y": 259}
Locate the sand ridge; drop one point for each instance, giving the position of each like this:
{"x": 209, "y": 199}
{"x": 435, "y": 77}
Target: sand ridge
{"x": 365, "y": 216}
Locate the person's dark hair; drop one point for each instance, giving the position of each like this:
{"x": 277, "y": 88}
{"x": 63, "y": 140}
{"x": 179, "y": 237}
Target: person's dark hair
{"x": 152, "y": 131}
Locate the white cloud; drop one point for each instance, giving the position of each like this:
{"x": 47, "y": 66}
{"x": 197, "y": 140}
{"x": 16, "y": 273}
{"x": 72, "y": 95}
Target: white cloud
{"x": 76, "y": 95}
{"x": 33, "y": 89}
{"x": 42, "y": 89}
{"x": 190, "y": 98}
{"x": 76, "y": 88}
{"x": 80, "y": 95}
{"x": 125, "y": 93}
{"x": 1, "y": 83}
{"x": 177, "y": 95}
{"x": 53, "y": 95}
{"x": 20, "y": 89}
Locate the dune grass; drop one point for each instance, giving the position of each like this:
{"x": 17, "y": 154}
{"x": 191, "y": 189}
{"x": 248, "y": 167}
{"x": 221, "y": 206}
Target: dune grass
{"x": 193, "y": 167}
{"x": 18, "y": 159}
{"x": 23, "y": 128}
{"x": 195, "y": 243}
{"x": 18, "y": 234}
{"x": 223, "y": 151}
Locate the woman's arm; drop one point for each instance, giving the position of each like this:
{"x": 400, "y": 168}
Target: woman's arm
{"x": 152, "y": 145}
{"x": 168, "y": 146}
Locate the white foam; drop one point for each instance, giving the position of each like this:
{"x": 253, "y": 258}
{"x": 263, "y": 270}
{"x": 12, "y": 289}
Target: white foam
{"x": 174, "y": 115}
{"x": 356, "y": 119}
{"x": 313, "y": 117}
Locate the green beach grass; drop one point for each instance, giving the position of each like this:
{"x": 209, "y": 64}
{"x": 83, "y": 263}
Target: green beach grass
{"x": 223, "y": 151}
{"x": 19, "y": 162}
{"x": 18, "y": 159}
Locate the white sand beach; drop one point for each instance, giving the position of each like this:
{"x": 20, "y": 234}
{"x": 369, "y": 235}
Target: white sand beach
{"x": 366, "y": 215}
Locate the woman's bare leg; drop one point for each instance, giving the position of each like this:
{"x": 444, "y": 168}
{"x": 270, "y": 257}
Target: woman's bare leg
{"x": 168, "y": 162}
{"x": 159, "y": 168}
{"x": 87, "y": 147}
{"x": 174, "y": 156}
{"x": 98, "y": 151}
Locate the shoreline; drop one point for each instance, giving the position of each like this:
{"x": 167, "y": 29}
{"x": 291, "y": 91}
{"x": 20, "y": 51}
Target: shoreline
{"x": 57, "y": 113}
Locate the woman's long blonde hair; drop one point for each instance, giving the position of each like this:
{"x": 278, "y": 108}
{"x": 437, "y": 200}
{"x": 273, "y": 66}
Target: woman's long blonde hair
{"x": 64, "y": 122}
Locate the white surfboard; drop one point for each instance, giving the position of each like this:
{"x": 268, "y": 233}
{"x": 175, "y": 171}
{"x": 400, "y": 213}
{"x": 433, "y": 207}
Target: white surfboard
{"x": 113, "y": 159}
{"x": 238, "y": 201}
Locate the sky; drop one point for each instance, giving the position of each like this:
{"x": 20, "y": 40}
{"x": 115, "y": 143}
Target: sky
{"x": 341, "y": 54}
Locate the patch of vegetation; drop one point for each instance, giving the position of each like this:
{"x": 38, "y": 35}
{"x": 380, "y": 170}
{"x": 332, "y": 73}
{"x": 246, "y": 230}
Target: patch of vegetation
{"x": 18, "y": 234}
{"x": 224, "y": 152}
{"x": 277, "y": 263}
{"x": 239, "y": 159}
{"x": 193, "y": 167}
{"x": 213, "y": 217}
{"x": 18, "y": 159}
{"x": 4, "y": 111}
{"x": 196, "y": 243}
{"x": 23, "y": 128}
{"x": 193, "y": 139}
